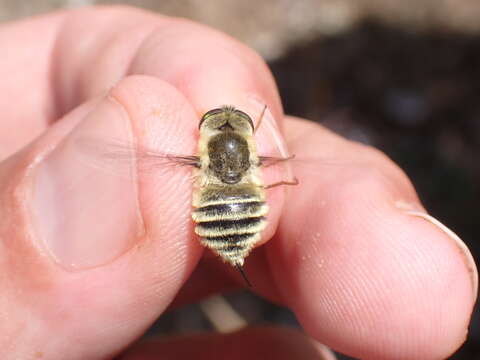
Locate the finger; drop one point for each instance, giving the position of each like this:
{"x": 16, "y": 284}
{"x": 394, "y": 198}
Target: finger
{"x": 27, "y": 102}
{"x": 208, "y": 67}
{"x": 252, "y": 343}
{"x": 86, "y": 254}
{"x": 71, "y": 56}
{"x": 362, "y": 274}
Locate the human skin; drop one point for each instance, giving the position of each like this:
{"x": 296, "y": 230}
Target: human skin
{"x": 89, "y": 259}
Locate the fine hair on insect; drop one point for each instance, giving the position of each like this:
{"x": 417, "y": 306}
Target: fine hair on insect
{"x": 229, "y": 204}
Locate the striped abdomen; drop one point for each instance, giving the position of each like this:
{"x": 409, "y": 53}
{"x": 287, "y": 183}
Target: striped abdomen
{"x": 230, "y": 219}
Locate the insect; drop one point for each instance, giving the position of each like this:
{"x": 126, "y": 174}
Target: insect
{"x": 229, "y": 207}
{"x": 229, "y": 198}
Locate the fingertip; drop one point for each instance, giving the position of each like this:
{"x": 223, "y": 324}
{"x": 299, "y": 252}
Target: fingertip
{"x": 361, "y": 275}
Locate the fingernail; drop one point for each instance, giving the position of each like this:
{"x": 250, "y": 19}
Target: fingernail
{"x": 87, "y": 216}
{"x": 467, "y": 255}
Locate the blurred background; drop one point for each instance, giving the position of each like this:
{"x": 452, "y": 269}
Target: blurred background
{"x": 403, "y": 76}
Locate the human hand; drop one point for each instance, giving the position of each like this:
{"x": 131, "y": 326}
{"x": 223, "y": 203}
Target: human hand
{"x": 88, "y": 260}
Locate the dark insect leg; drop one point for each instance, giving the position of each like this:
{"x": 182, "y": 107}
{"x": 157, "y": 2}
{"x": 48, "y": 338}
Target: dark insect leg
{"x": 240, "y": 268}
{"x": 294, "y": 182}
{"x": 260, "y": 119}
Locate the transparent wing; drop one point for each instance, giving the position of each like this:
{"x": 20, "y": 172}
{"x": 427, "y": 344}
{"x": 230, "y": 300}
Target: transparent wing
{"x": 120, "y": 157}
{"x": 279, "y": 164}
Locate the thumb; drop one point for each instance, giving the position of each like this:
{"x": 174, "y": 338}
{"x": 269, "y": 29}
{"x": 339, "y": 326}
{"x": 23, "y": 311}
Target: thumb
{"x": 86, "y": 255}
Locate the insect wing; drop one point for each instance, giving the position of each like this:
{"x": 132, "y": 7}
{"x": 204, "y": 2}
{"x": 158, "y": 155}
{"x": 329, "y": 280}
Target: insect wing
{"x": 286, "y": 161}
{"x": 279, "y": 165}
{"x": 121, "y": 158}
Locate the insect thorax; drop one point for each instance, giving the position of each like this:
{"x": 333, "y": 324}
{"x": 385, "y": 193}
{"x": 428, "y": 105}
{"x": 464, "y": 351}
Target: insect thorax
{"x": 229, "y": 157}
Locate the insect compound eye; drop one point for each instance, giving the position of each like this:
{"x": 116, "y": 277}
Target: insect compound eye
{"x": 212, "y": 115}
{"x": 242, "y": 120}
{"x": 227, "y": 115}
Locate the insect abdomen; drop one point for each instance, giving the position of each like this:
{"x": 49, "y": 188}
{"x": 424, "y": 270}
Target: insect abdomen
{"x": 230, "y": 220}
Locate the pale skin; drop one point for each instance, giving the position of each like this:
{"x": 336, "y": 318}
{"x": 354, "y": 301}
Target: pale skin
{"x": 354, "y": 256}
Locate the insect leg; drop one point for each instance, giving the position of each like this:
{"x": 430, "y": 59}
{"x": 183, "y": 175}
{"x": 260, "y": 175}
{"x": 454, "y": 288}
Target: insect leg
{"x": 294, "y": 182}
{"x": 260, "y": 119}
{"x": 266, "y": 161}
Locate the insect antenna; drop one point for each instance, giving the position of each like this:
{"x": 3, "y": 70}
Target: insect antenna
{"x": 244, "y": 275}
